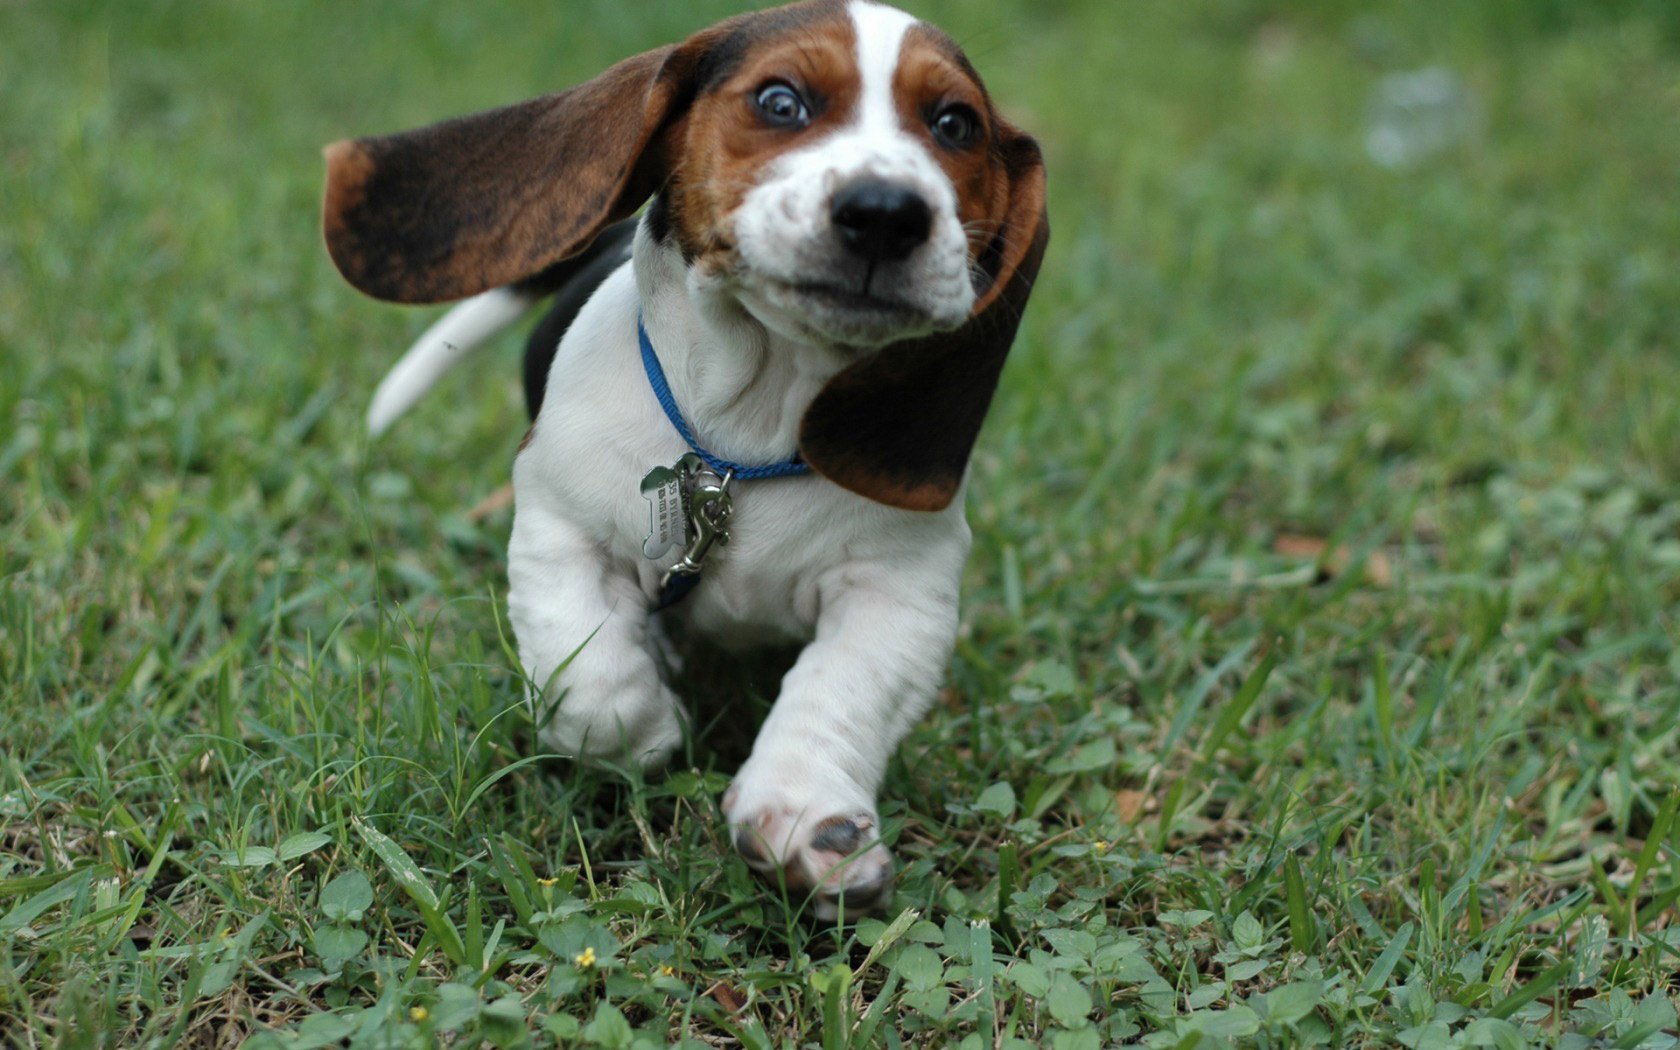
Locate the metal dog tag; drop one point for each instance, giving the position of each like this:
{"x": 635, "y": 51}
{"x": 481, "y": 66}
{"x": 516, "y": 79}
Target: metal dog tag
{"x": 666, "y": 490}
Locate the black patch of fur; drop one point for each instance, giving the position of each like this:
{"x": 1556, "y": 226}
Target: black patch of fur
{"x": 571, "y": 282}
{"x": 659, "y": 219}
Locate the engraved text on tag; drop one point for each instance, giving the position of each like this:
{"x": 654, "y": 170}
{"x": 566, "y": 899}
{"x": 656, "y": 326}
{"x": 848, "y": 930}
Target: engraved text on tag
{"x": 667, "y": 513}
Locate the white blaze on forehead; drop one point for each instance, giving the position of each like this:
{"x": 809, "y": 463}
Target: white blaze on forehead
{"x": 880, "y": 37}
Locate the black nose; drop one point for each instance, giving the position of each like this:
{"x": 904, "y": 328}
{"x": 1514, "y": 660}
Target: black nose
{"x": 881, "y": 221}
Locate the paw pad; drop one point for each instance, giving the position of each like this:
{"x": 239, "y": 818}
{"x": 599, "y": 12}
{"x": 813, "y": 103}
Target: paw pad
{"x": 836, "y": 859}
{"x": 841, "y": 835}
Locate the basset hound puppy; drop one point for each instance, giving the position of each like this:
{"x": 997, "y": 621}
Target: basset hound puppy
{"x": 754, "y": 405}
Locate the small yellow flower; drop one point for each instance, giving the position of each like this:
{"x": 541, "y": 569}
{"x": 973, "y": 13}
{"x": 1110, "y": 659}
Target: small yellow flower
{"x": 585, "y": 959}
{"x": 1101, "y": 846}
{"x": 547, "y": 883}
{"x": 666, "y": 971}
{"x": 418, "y": 1014}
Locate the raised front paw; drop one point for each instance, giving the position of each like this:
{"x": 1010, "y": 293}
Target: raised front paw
{"x": 813, "y": 844}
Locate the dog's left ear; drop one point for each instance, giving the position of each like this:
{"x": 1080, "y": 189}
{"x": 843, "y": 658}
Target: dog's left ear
{"x": 898, "y": 426}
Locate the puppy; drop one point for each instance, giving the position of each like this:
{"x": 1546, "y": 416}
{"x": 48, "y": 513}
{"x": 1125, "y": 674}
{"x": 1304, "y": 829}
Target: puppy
{"x": 754, "y": 406}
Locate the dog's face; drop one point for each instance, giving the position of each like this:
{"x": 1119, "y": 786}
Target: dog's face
{"x": 835, "y": 166}
{"x": 837, "y": 160}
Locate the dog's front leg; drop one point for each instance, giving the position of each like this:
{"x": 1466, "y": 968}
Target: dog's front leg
{"x": 804, "y": 803}
{"x": 567, "y": 603}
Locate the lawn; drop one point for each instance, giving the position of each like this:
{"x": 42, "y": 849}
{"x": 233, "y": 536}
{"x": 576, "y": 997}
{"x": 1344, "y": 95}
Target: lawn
{"x": 1318, "y": 679}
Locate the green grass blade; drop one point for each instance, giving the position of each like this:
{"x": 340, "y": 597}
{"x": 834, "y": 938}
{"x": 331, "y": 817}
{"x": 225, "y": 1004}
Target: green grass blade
{"x": 1302, "y": 931}
{"x": 1232, "y": 714}
{"x": 1661, "y": 825}
{"x": 398, "y": 863}
{"x": 1185, "y": 717}
{"x": 1614, "y": 907}
{"x": 1378, "y": 975}
{"x": 1531, "y": 991}
{"x": 413, "y": 882}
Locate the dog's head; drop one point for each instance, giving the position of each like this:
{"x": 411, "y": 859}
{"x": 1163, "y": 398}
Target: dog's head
{"x": 836, "y": 167}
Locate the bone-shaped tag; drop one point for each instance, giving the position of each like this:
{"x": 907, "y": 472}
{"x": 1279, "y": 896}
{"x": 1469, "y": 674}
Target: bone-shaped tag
{"x": 666, "y": 490}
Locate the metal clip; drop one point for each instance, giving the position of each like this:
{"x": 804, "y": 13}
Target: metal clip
{"x": 709, "y": 507}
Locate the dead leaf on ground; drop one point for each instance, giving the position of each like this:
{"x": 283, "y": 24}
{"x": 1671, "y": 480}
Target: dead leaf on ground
{"x": 1379, "y": 571}
{"x": 727, "y": 997}
{"x": 1290, "y": 545}
{"x": 1130, "y": 804}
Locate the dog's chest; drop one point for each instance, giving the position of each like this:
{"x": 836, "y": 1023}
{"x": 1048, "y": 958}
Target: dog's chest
{"x": 602, "y": 430}
{"x": 796, "y": 541}
{"x": 785, "y": 536}
{"x": 763, "y": 585}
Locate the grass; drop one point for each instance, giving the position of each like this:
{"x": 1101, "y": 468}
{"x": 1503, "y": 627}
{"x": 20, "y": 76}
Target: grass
{"x": 1317, "y": 683}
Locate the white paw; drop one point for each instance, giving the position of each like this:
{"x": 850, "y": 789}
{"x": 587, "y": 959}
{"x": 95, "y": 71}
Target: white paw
{"x": 820, "y": 841}
{"x": 643, "y": 726}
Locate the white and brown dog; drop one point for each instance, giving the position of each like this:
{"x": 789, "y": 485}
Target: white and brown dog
{"x": 841, "y": 240}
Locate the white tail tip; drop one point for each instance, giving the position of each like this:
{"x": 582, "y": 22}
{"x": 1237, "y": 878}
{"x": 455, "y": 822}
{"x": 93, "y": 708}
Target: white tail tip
{"x": 443, "y": 346}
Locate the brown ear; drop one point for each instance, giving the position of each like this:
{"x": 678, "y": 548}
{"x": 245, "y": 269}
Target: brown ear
{"x": 898, "y": 426}
{"x": 485, "y": 200}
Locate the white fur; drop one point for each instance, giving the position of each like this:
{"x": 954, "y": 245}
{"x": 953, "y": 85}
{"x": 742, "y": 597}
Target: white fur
{"x": 880, "y": 34}
{"x": 441, "y": 347}
{"x": 870, "y": 590}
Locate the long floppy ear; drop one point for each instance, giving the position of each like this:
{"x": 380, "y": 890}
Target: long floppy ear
{"x": 481, "y": 201}
{"x": 898, "y": 426}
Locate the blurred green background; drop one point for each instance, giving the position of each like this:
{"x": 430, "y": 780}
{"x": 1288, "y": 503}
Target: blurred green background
{"x": 1322, "y": 608}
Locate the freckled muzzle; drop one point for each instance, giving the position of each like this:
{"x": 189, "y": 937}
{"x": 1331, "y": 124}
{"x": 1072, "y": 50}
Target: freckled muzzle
{"x": 854, "y": 244}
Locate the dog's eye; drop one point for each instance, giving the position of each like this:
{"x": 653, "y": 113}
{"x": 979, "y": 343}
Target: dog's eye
{"x": 955, "y": 126}
{"x": 781, "y": 106}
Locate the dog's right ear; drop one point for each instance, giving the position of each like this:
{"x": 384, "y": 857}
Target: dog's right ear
{"x": 482, "y": 201}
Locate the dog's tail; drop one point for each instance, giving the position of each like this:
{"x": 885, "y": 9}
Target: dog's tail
{"x": 443, "y": 346}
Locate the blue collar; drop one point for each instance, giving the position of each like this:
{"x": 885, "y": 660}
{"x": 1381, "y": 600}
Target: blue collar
{"x": 787, "y": 468}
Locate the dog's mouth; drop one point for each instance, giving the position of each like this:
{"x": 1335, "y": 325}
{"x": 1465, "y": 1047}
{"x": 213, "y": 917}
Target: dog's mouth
{"x": 841, "y": 314}
{"x": 851, "y": 300}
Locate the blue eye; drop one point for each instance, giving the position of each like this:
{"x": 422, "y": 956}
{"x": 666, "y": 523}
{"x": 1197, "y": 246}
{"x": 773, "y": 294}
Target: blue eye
{"x": 955, "y": 127}
{"x": 781, "y": 106}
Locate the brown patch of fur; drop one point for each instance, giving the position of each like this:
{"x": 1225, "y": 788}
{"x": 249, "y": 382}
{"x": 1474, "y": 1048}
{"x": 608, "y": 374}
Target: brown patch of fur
{"x": 724, "y": 145}
{"x": 932, "y": 74}
{"x": 348, "y": 170}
